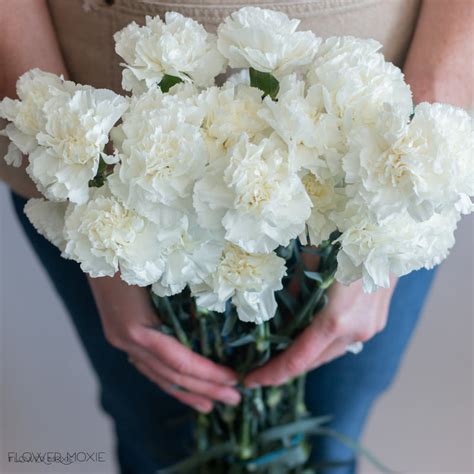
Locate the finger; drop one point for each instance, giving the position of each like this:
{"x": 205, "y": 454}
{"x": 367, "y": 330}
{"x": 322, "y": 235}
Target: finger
{"x": 197, "y": 402}
{"x": 222, "y": 393}
{"x": 335, "y": 350}
{"x": 183, "y": 360}
{"x": 297, "y": 358}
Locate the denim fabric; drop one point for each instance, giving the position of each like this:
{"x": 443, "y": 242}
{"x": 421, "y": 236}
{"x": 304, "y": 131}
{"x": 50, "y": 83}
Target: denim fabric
{"x": 347, "y": 387}
{"x": 154, "y": 430}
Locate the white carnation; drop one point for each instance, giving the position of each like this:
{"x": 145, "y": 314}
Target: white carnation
{"x": 250, "y": 280}
{"x": 229, "y": 112}
{"x": 105, "y": 237}
{"x": 372, "y": 251}
{"x": 190, "y": 259}
{"x": 212, "y": 198}
{"x": 27, "y": 117}
{"x": 72, "y": 140}
{"x": 178, "y": 47}
{"x": 255, "y": 195}
{"x": 422, "y": 167}
{"x": 326, "y": 197}
{"x": 47, "y": 218}
{"x": 162, "y": 153}
{"x": 299, "y": 117}
{"x": 357, "y": 81}
{"x": 265, "y": 40}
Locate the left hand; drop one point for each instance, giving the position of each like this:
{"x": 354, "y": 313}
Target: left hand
{"x": 350, "y": 316}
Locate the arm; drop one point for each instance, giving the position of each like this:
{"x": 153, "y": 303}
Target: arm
{"x": 19, "y": 52}
{"x": 438, "y": 68}
{"x": 28, "y": 41}
{"x": 439, "y": 65}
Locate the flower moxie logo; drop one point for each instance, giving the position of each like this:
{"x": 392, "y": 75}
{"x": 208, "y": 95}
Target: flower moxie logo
{"x": 55, "y": 457}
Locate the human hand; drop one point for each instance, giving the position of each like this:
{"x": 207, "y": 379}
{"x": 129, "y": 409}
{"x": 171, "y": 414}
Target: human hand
{"x": 128, "y": 319}
{"x": 350, "y": 316}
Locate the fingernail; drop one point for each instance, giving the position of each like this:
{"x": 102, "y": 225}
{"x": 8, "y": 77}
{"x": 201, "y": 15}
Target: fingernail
{"x": 231, "y": 382}
{"x": 252, "y": 385}
{"x": 232, "y": 397}
{"x": 203, "y": 408}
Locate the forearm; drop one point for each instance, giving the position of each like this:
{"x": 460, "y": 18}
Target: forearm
{"x": 439, "y": 65}
{"x": 28, "y": 41}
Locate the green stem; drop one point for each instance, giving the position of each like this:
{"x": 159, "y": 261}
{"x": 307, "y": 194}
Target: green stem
{"x": 300, "y": 406}
{"x": 218, "y": 342}
{"x": 245, "y": 447}
{"x": 262, "y": 341}
{"x": 307, "y": 309}
{"x": 176, "y": 324}
{"x": 204, "y": 339}
{"x": 201, "y": 431}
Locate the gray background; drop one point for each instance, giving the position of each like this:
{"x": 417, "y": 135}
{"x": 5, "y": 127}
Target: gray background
{"x": 49, "y": 396}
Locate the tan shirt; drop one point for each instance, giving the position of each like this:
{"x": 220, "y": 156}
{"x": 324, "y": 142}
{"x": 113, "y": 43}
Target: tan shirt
{"x": 85, "y": 28}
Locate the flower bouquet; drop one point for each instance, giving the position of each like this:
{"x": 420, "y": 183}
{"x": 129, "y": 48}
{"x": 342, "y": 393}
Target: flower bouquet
{"x": 239, "y": 204}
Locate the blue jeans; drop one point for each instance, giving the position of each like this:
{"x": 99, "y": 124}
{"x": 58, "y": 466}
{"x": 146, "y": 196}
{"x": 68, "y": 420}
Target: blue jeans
{"x": 154, "y": 430}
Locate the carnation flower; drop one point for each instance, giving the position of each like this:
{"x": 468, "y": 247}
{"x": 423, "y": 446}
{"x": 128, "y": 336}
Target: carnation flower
{"x": 357, "y": 81}
{"x": 265, "y": 40}
{"x": 229, "y": 112}
{"x": 300, "y": 119}
{"x": 34, "y": 89}
{"x": 105, "y": 237}
{"x": 207, "y": 184}
{"x": 326, "y": 198}
{"x": 178, "y": 47}
{"x": 422, "y": 167}
{"x": 249, "y": 279}
{"x": 63, "y": 127}
{"x": 72, "y": 140}
{"x": 190, "y": 259}
{"x": 371, "y": 251}
{"x": 255, "y": 195}
{"x": 47, "y": 218}
{"x": 162, "y": 153}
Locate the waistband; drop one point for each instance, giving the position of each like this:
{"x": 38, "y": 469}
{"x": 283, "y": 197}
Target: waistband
{"x": 213, "y": 11}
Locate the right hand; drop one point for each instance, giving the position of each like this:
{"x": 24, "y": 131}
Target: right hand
{"x": 128, "y": 319}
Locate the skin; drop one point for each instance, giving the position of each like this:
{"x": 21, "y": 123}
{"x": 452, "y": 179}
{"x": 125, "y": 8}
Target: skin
{"x": 438, "y": 68}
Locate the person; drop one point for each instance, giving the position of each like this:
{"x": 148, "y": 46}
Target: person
{"x": 149, "y": 400}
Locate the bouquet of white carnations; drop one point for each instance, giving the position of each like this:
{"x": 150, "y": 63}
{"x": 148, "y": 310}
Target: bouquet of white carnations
{"x": 210, "y": 194}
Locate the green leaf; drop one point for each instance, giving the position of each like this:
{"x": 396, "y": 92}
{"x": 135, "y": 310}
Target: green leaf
{"x": 314, "y": 276}
{"x": 307, "y": 425}
{"x": 165, "y": 330}
{"x": 229, "y": 323}
{"x": 356, "y": 447}
{"x": 101, "y": 175}
{"x": 168, "y": 82}
{"x": 327, "y": 282}
{"x": 288, "y": 457}
{"x": 241, "y": 341}
{"x": 264, "y": 81}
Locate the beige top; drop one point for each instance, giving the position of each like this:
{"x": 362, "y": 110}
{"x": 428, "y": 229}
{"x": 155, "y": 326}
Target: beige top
{"x": 85, "y": 28}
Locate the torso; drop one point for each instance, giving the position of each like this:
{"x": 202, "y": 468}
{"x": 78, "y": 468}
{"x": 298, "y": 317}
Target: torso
{"x": 86, "y": 37}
